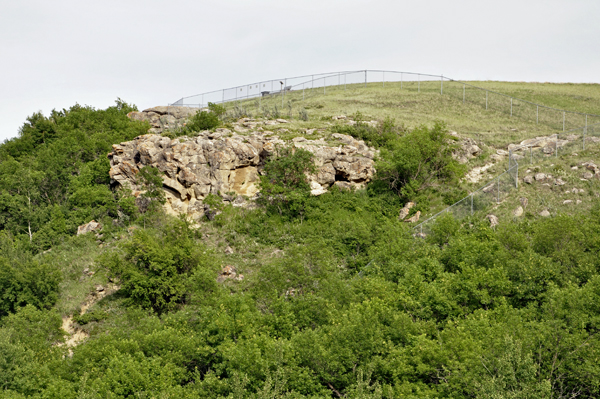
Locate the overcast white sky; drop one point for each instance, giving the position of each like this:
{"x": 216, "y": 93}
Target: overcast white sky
{"x": 58, "y": 53}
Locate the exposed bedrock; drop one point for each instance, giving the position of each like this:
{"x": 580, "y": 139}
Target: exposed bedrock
{"x": 228, "y": 164}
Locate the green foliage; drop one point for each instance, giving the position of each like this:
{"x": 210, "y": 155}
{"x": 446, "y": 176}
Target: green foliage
{"x": 205, "y": 120}
{"x": 28, "y": 283}
{"x": 89, "y": 317}
{"x": 284, "y": 186}
{"x": 153, "y": 196}
{"x": 154, "y": 266}
{"x": 418, "y": 160}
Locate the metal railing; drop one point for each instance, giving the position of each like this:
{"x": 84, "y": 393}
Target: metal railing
{"x": 308, "y": 86}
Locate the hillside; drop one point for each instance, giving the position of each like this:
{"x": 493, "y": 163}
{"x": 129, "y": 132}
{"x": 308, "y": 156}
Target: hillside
{"x": 258, "y": 289}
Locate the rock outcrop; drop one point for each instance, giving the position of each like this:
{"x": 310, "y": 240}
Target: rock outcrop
{"x": 227, "y": 164}
{"x": 163, "y": 118}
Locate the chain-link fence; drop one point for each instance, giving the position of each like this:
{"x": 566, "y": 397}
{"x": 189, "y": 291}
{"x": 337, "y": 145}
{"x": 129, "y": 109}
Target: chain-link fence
{"x": 278, "y": 92}
{"x": 529, "y": 152}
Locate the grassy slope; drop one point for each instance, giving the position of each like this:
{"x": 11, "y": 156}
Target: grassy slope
{"x": 409, "y": 107}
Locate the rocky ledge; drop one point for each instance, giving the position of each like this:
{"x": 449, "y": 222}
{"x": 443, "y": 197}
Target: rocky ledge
{"x": 228, "y": 164}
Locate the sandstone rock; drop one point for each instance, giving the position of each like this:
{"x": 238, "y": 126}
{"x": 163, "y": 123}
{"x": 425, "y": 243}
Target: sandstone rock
{"x": 518, "y": 212}
{"x": 229, "y": 272}
{"x": 89, "y": 227}
{"x": 539, "y": 176}
{"x": 544, "y": 213}
{"x": 228, "y": 250}
{"x": 574, "y": 168}
{"x": 588, "y": 175}
{"x": 502, "y": 153}
{"x": 99, "y": 288}
{"x": 567, "y": 202}
{"x": 414, "y": 218}
{"x": 577, "y": 202}
{"x": 493, "y": 219}
{"x": 222, "y": 163}
{"x": 559, "y": 182}
{"x": 528, "y": 179}
{"x": 524, "y": 201}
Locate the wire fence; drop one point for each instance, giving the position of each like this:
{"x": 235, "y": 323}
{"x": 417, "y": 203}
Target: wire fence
{"x": 270, "y": 92}
{"x": 575, "y": 130}
{"x": 529, "y": 152}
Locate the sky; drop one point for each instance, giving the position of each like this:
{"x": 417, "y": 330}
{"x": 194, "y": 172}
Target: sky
{"x": 57, "y": 54}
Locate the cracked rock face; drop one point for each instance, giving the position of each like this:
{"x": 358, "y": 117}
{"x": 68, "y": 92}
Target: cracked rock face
{"x": 223, "y": 162}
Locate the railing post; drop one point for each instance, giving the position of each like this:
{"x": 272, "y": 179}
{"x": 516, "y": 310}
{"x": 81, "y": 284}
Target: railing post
{"x": 531, "y": 154}
{"x": 365, "y": 78}
{"x": 584, "y": 132}
{"x": 498, "y": 195}
{"x": 471, "y": 204}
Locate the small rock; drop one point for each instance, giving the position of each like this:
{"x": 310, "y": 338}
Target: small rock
{"x": 228, "y": 250}
{"x": 89, "y": 227}
{"x": 524, "y": 202}
{"x": 588, "y": 175}
{"x": 518, "y": 212}
{"x": 502, "y": 153}
{"x": 229, "y": 272}
{"x": 281, "y": 120}
{"x": 566, "y": 202}
{"x": 539, "y": 176}
{"x": 493, "y": 220}
{"x": 414, "y": 218}
{"x": 528, "y": 179}
{"x": 559, "y": 182}
{"x": 578, "y": 202}
{"x": 91, "y": 273}
{"x": 420, "y": 235}
{"x": 544, "y": 213}
{"x": 574, "y": 168}
{"x": 99, "y": 288}
{"x": 86, "y": 270}
{"x": 569, "y": 191}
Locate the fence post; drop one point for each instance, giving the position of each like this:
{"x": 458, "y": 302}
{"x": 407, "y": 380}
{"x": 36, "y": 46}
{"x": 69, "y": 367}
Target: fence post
{"x": 471, "y": 204}
{"x": 531, "y": 154}
{"x": 584, "y": 132}
{"x": 511, "y": 107}
{"x": 517, "y": 176}
{"x": 498, "y": 195}
{"x": 537, "y": 114}
{"x": 365, "y": 78}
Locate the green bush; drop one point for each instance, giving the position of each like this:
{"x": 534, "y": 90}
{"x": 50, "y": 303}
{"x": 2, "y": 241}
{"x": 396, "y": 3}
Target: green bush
{"x": 284, "y": 186}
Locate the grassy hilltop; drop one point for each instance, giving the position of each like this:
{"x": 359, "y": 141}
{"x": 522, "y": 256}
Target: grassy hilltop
{"x": 302, "y": 296}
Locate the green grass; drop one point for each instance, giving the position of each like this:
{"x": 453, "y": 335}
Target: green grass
{"x": 410, "y": 107}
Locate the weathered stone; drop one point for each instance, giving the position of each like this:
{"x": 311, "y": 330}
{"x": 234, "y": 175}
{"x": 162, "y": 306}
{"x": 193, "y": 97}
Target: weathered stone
{"x": 588, "y": 175}
{"x": 493, "y": 219}
{"x": 539, "y": 176}
{"x": 528, "y": 179}
{"x": 414, "y": 218}
{"x": 89, "y": 227}
{"x": 518, "y": 212}
{"x": 192, "y": 168}
{"x": 567, "y": 202}
{"x": 544, "y": 213}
